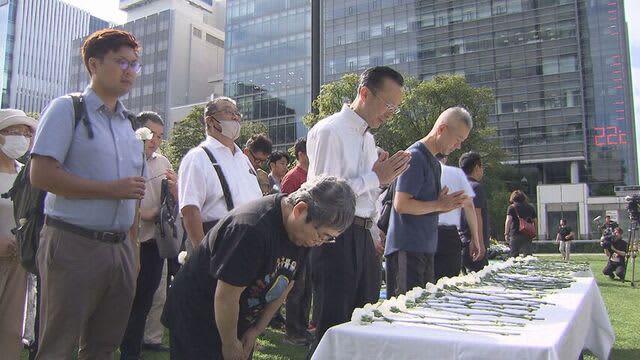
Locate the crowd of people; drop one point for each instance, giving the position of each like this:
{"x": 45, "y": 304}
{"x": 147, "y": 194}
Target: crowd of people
{"x": 255, "y": 240}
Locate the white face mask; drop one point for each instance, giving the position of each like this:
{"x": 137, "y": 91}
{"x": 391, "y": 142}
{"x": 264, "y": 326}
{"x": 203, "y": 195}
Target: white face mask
{"x": 15, "y": 146}
{"x": 230, "y": 129}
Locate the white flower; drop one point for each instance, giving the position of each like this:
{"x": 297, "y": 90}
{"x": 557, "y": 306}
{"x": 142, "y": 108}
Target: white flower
{"x": 182, "y": 257}
{"x": 144, "y": 134}
{"x": 412, "y": 295}
{"x": 362, "y": 316}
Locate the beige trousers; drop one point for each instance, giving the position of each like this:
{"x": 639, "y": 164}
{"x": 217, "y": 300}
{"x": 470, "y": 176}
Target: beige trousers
{"x": 13, "y": 294}
{"x": 87, "y": 288}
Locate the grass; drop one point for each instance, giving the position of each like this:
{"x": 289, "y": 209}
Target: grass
{"x": 622, "y": 302}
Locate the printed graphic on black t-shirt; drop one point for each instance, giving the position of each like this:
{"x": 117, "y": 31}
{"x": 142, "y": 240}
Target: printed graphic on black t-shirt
{"x": 268, "y": 289}
{"x": 253, "y": 250}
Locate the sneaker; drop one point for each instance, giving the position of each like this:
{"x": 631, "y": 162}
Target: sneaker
{"x": 612, "y": 277}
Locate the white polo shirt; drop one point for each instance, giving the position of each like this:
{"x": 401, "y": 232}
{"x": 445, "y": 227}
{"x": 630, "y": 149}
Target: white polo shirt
{"x": 455, "y": 179}
{"x": 198, "y": 182}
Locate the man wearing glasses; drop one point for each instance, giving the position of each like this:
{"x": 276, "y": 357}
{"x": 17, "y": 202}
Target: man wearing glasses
{"x": 346, "y": 275}
{"x": 91, "y": 169}
{"x": 231, "y": 286}
{"x": 258, "y": 149}
{"x": 207, "y": 194}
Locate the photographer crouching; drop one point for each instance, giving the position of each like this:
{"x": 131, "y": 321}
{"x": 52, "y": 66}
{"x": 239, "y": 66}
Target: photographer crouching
{"x": 616, "y": 249}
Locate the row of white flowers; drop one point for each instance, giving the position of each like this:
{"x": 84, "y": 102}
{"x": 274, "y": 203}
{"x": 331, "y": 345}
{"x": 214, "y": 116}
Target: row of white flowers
{"x": 391, "y": 306}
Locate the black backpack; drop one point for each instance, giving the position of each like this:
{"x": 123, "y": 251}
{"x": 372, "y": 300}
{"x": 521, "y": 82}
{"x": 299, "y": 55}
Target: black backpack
{"x": 28, "y": 202}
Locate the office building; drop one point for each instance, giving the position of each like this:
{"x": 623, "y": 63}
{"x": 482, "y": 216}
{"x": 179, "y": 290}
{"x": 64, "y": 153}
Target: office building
{"x": 35, "y": 50}
{"x": 268, "y": 64}
{"x": 182, "y": 55}
{"x": 559, "y": 70}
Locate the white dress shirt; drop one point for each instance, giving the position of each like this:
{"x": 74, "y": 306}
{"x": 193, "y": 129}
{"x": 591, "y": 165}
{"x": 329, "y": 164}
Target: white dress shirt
{"x": 341, "y": 146}
{"x": 198, "y": 182}
{"x": 454, "y": 179}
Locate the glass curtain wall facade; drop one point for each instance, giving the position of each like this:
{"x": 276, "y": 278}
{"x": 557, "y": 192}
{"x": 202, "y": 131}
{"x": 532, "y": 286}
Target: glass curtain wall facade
{"x": 559, "y": 70}
{"x": 7, "y": 40}
{"x": 268, "y": 64}
{"x": 35, "y": 49}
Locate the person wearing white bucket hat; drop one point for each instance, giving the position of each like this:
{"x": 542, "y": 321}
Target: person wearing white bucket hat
{"x": 16, "y": 129}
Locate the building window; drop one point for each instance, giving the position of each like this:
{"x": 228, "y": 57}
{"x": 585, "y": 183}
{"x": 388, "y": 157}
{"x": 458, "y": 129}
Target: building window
{"x": 197, "y": 33}
{"x": 215, "y": 41}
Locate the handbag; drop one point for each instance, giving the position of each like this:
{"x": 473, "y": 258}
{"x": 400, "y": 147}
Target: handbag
{"x": 168, "y": 242}
{"x": 387, "y": 205}
{"x": 526, "y": 226}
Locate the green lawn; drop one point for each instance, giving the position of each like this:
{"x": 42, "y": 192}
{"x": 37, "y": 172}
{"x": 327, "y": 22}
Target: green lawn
{"x": 622, "y": 303}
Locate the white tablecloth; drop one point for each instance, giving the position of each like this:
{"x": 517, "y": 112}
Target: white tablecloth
{"x": 578, "y": 320}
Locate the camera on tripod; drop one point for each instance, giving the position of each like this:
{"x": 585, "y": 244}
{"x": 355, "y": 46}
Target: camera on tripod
{"x": 633, "y": 207}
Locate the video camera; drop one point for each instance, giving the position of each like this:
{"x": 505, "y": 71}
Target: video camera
{"x": 606, "y": 241}
{"x": 633, "y": 207}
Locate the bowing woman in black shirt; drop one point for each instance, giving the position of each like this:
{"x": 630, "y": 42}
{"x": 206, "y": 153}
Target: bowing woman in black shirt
{"x": 233, "y": 283}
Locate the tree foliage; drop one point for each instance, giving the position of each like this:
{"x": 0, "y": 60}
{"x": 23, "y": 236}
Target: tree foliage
{"x": 189, "y": 132}
{"x": 422, "y": 103}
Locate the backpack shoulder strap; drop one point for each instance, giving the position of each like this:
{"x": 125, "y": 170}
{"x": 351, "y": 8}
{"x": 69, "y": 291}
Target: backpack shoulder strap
{"x": 223, "y": 180}
{"x": 133, "y": 119}
{"x": 79, "y": 113}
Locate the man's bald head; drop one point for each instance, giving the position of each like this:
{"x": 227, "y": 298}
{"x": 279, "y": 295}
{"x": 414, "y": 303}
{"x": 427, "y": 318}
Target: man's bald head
{"x": 452, "y": 128}
{"x": 454, "y": 116}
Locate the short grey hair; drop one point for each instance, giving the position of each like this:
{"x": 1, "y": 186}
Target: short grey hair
{"x": 212, "y": 107}
{"x": 330, "y": 200}
{"x": 460, "y": 113}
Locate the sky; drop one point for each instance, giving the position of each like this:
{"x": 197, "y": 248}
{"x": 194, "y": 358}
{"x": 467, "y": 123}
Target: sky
{"x": 108, "y": 10}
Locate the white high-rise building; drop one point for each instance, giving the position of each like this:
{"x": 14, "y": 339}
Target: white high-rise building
{"x": 182, "y": 55}
{"x": 35, "y": 49}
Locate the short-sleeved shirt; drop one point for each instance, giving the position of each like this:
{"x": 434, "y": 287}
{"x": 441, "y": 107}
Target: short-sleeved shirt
{"x": 112, "y": 154}
{"x": 157, "y": 165}
{"x": 416, "y": 233}
{"x": 293, "y": 180}
{"x": 199, "y": 186}
{"x": 248, "y": 248}
{"x": 479, "y": 202}
{"x": 455, "y": 180}
{"x": 524, "y": 210}
{"x": 564, "y": 232}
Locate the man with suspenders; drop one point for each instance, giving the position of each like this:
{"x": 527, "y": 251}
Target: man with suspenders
{"x": 215, "y": 176}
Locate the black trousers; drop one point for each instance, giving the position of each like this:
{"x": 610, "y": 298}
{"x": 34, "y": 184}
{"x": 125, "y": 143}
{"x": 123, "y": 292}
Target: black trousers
{"x": 614, "y": 268}
{"x": 148, "y": 281}
{"x": 346, "y": 275}
{"x": 406, "y": 270}
{"x": 520, "y": 244}
{"x": 298, "y": 304}
{"x": 448, "y": 257}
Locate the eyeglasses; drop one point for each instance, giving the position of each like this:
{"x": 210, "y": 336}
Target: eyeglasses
{"x": 125, "y": 65}
{"x": 230, "y": 112}
{"x": 256, "y": 159}
{"x": 390, "y": 107}
{"x": 326, "y": 240}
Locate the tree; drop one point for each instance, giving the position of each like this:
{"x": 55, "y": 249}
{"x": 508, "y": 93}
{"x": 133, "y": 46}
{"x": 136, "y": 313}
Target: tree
{"x": 422, "y": 103}
{"x": 189, "y": 132}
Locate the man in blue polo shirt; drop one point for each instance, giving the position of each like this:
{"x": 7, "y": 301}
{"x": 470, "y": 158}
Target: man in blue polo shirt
{"x": 92, "y": 171}
{"x": 413, "y": 228}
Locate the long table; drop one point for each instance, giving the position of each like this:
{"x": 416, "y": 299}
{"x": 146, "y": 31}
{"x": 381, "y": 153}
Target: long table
{"x": 577, "y": 320}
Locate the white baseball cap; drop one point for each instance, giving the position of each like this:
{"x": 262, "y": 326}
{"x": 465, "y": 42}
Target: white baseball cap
{"x": 10, "y": 117}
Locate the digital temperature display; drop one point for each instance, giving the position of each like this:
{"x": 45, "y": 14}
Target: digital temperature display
{"x": 609, "y": 135}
